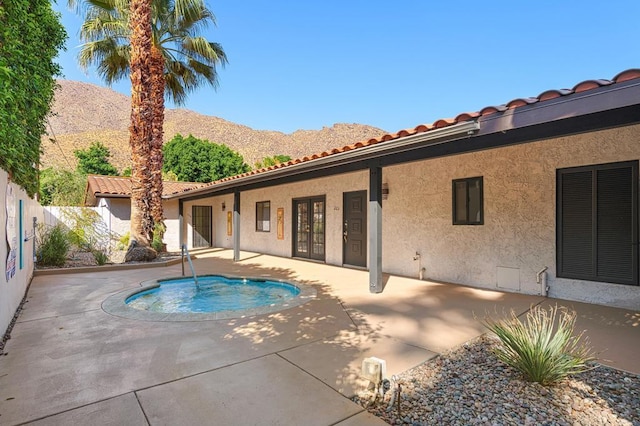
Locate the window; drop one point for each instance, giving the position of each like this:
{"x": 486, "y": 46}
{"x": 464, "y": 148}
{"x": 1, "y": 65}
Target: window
{"x": 263, "y": 216}
{"x": 597, "y": 223}
{"x": 468, "y": 201}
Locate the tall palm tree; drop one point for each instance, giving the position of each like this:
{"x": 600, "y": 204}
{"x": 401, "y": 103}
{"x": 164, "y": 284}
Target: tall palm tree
{"x": 141, "y": 127}
{"x": 180, "y": 59}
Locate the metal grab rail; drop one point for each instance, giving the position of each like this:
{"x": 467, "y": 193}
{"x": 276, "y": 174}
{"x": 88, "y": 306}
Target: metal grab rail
{"x": 193, "y": 271}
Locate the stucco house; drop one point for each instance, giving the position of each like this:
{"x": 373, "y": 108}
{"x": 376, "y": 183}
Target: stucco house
{"x": 111, "y": 195}
{"x": 539, "y": 196}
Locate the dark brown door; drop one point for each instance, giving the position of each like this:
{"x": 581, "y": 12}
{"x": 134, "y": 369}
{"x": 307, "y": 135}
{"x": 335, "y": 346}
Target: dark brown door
{"x": 354, "y": 232}
{"x": 308, "y": 228}
{"x": 201, "y": 217}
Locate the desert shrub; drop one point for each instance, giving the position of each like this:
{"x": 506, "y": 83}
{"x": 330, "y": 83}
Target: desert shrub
{"x": 100, "y": 257}
{"x": 543, "y": 347}
{"x": 158, "y": 234}
{"x": 123, "y": 242}
{"x": 53, "y": 245}
{"x": 88, "y": 230}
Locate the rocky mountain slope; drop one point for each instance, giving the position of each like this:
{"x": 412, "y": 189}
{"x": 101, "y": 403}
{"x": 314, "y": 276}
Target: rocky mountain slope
{"x": 84, "y": 113}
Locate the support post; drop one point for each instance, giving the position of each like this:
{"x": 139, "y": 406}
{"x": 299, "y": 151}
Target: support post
{"x": 236, "y": 226}
{"x": 181, "y": 224}
{"x": 375, "y": 229}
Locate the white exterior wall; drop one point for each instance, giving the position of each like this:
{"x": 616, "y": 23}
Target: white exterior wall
{"x": 13, "y": 290}
{"x": 120, "y": 209}
{"x": 119, "y": 224}
{"x": 172, "y": 222}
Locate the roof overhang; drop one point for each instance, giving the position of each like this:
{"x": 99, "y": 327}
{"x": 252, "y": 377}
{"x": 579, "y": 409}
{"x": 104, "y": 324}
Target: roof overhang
{"x": 604, "y": 107}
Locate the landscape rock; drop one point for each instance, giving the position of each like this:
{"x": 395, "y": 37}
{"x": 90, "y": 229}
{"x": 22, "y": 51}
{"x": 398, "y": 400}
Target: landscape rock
{"x": 590, "y": 398}
{"x": 138, "y": 253}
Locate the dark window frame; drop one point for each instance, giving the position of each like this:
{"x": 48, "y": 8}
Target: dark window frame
{"x": 596, "y": 276}
{"x": 260, "y": 219}
{"x": 467, "y": 181}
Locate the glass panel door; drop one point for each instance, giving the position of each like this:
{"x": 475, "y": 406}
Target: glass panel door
{"x": 301, "y": 232}
{"x": 317, "y": 250}
{"x": 309, "y": 228}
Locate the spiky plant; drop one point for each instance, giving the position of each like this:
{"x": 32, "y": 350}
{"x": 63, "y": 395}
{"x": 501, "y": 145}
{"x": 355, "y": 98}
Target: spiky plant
{"x": 543, "y": 347}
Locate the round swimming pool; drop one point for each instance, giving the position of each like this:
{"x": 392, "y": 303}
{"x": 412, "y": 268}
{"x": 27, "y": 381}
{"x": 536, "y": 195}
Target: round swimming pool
{"x": 214, "y": 297}
{"x": 213, "y": 293}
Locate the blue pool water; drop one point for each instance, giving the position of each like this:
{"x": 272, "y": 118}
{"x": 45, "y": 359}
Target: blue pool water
{"x": 214, "y": 293}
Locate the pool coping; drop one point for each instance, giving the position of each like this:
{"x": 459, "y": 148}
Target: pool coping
{"x": 116, "y": 303}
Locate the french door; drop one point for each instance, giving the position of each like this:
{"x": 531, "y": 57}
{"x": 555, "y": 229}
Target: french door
{"x": 309, "y": 228}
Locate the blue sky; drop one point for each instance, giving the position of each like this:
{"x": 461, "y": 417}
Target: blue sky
{"x": 396, "y": 64}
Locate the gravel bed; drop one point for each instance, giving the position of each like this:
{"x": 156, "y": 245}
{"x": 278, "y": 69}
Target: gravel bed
{"x": 470, "y": 386}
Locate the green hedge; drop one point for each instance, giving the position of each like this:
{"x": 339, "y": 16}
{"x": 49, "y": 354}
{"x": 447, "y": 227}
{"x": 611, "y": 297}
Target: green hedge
{"x": 30, "y": 37}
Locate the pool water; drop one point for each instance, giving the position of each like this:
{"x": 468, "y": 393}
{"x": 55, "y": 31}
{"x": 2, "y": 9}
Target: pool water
{"x": 213, "y": 293}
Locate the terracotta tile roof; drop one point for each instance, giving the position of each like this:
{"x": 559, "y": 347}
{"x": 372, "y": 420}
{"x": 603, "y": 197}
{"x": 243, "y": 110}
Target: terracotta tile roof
{"x": 116, "y": 186}
{"x": 584, "y": 86}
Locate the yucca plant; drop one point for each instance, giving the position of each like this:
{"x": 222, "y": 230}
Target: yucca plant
{"x": 100, "y": 257}
{"x": 543, "y": 347}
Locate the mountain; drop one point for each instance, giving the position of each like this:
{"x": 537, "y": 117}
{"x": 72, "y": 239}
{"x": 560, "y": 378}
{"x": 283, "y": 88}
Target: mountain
{"x": 84, "y": 113}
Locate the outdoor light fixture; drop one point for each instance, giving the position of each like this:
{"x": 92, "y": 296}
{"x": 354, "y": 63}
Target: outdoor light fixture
{"x": 223, "y": 206}
{"x": 385, "y": 191}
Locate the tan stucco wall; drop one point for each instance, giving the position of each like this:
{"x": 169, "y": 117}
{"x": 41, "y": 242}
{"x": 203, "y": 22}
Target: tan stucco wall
{"x": 282, "y": 196}
{"x": 519, "y": 232}
{"x": 519, "y": 228}
{"x": 219, "y": 232}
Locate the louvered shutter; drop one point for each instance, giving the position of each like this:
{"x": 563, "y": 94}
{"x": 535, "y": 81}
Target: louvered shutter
{"x": 597, "y": 223}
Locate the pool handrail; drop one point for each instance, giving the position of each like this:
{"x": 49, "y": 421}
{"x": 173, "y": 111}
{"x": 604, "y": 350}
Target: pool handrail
{"x": 193, "y": 271}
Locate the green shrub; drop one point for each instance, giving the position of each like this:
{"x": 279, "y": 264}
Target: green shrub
{"x": 100, "y": 257}
{"x": 543, "y": 347}
{"x": 123, "y": 242}
{"x": 157, "y": 245}
{"x": 158, "y": 233}
{"x": 78, "y": 238}
{"x": 53, "y": 246}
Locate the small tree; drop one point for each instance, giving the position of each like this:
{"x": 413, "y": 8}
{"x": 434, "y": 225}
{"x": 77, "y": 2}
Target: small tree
{"x": 198, "y": 160}
{"x": 272, "y": 161}
{"x": 60, "y": 187}
{"x": 95, "y": 160}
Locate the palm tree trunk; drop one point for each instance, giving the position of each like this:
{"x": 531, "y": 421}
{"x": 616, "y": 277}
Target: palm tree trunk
{"x": 157, "y": 95}
{"x": 140, "y": 129}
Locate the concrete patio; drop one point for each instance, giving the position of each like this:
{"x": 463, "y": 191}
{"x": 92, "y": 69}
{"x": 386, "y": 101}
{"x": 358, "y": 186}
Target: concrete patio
{"x": 69, "y": 362}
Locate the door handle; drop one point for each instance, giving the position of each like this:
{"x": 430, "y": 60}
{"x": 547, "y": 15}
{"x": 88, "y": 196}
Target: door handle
{"x": 345, "y": 232}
